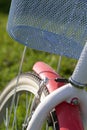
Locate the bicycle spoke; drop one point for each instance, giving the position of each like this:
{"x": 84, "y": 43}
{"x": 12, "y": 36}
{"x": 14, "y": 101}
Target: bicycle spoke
{"x": 28, "y": 106}
{"x": 19, "y": 113}
{"x": 15, "y": 110}
{"x": 6, "y": 118}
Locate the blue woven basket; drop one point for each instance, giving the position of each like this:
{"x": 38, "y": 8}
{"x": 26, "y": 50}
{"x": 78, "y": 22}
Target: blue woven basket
{"x": 55, "y": 26}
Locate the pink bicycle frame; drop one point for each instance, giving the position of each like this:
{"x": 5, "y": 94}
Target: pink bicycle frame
{"x": 68, "y": 114}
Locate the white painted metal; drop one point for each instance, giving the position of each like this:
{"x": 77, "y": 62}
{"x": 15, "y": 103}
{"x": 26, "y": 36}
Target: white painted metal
{"x": 67, "y": 92}
{"x": 48, "y": 104}
{"x": 80, "y": 72}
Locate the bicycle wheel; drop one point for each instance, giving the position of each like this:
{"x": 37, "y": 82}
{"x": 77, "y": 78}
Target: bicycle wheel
{"x": 16, "y": 103}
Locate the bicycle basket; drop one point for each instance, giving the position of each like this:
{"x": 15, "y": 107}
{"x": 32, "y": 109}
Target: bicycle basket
{"x": 55, "y": 26}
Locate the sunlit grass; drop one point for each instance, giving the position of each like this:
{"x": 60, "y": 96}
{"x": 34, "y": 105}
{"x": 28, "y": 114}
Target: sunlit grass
{"x": 10, "y": 56}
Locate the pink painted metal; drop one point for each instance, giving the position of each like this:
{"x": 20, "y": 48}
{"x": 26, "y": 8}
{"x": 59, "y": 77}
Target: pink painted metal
{"x": 68, "y": 114}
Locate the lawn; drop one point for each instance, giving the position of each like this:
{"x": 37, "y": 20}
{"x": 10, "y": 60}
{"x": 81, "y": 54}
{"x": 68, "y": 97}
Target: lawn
{"x": 10, "y": 57}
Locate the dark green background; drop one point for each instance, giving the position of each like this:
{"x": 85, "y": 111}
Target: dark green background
{"x": 4, "y": 6}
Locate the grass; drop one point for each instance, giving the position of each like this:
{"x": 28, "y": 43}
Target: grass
{"x": 10, "y": 56}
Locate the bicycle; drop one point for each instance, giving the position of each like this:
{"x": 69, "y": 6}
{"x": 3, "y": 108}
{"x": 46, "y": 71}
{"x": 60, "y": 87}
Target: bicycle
{"x": 58, "y": 27}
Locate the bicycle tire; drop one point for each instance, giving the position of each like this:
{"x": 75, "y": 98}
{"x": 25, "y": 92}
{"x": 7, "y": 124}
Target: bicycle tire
{"x": 29, "y": 83}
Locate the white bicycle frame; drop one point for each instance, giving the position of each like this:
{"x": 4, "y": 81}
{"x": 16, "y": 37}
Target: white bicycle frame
{"x": 76, "y": 88}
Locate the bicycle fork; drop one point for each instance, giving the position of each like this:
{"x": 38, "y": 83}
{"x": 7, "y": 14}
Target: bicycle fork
{"x": 71, "y": 97}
